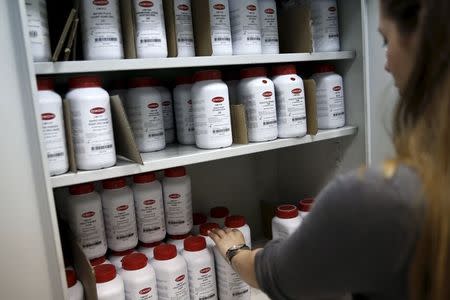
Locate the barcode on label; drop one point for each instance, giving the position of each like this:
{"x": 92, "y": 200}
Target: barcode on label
{"x": 176, "y": 222}
{"x": 221, "y": 130}
{"x": 33, "y": 33}
{"x": 218, "y": 39}
{"x": 155, "y": 134}
{"x": 53, "y": 155}
{"x": 121, "y": 237}
{"x": 270, "y": 40}
{"x": 151, "y": 229}
{"x": 207, "y": 297}
{"x": 270, "y": 122}
{"x": 185, "y": 40}
{"x": 107, "y": 39}
{"x": 240, "y": 293}
{"x": 253, "y": 38}
{"x": 92, "y": 244}
{"x": 298, "y": 119}
{"x": 338, "y": 114}
{"x": 143, "y": 41}
{"x": 102, "y": 147}
{"x": 190, "y": 130}
{"x": 333, "y": 36}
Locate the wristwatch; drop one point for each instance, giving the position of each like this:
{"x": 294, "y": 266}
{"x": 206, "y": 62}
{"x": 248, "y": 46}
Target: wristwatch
{"x": 233, "y": 250}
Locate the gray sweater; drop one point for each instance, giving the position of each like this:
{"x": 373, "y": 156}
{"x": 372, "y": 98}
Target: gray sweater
{"x": 358, "y": 239}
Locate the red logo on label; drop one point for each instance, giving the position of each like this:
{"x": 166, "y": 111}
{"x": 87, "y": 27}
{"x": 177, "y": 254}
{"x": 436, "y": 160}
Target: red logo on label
{"x": 183, "y": 7}
{"x": 267, "y": 94}
{"x": 205, "y": 270}
{"x": 296, "y": 91}
{"x": 145, "y": 291}
{"x": 251, "y": 7}
{"x": 174, "y": 196}
{"x": 218, "y": 99}
{"x": 189, "y": 102}
{"x": 97, "y": 110}
{"x": 166, "y": 103}
{"x": 122, "y": 208}
{"x": 332, "y": 9}
{"x": 180, "y": 278}
{"x": 149, "y": 202}
{"x": 337, "y": 88}
{"x": 269, "y": 11}
{"x": 100, "y": 2}
{"x": 47, "y": 116}
{"x": 146, "y": 3}
{"x": 88, "y": 214}
{"x": 219, "y": 6}
{"x": 153, "y": 105}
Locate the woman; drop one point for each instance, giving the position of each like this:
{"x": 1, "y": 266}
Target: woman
{"x": 381, "y": 233}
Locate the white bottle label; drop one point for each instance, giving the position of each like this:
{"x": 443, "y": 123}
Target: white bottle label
{"x": 167, "y": 108}
{"x": 172, "y": 287}
{"x": 92, "y": 131}
{"x": 145, "y": 293}
{"x": 102, "y": 28}
{"x": 37, "y": 24}
{"x": 54, "y": 137}
{"x": 291, "y": 106}
{"x": 185, "y": 118}
{"x": 213, "y": 117}
{"x": 184, "y": 29}
{"x": 178, "y": 210}
{"x": 231, "y": 286}
{"x": 261, "y": 109}
{"x": 150, "y": 217}
{"x": 120, "y": 223}
{"x": 325, "y": 27}
{"x": 150, "y": 29}
{"x": 269, "y": 26}
{"x": 89, "y": 230}
{"x": 220, "y": 23}
{"x": 146, "y": 119}
{"x": 245, "y": 23}
{"x": 202, "y": 283}
{"x": 330, "y": 103}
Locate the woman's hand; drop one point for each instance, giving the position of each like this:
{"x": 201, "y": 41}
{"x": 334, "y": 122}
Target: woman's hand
{"x": 226, "y": 238}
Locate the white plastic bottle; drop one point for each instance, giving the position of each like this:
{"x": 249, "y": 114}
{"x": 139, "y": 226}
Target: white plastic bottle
{"x": 52, "y": 122}
{"x": 245, "y": 27}
{"x": 184, "y": 115}
{"x": 324, "y": 25}
{"x": 167, "y": 108}
{"x": 99, "y": 261}
{"x": 177, "y": 201}
{"x": 109, "y": 284}
{"x": 198, "y": 219}
{"x": 75, "y": 288}
{"x": 239, "y": 223}
{"x": 290, "y": 98}
{"x": 285, "y": 222}
{"x": 91, "y": 123}
{"x": 183, "y": 27}
{"x": 329, "y": 97}
{"x": 151, "y": 38}
{"x": 257, "y": 93}
{"x": 177, "y": 241}
{"x": 119, "y": 214}
{"x": 147, "y": 249}
{"x": 149, "y": 204}
{"x": 204, "y": 228}
{"x": 304, "y": 206}
{"x": 201, "y": 271}
{"x": 145, "y": 113}
{"x": 218, "y": 215}
{"x": 171, "y": 273}
{"x": 85, "y": 218}
{"x": 211, "y": 111}
{"x": 116, "y": 257}
{"x": 269, "y": 26}
{"x": 38, "y": 30}
{"x": 101, "y": 31}
{"x": 219, "y": 13}
{"x": 138, "y": 277}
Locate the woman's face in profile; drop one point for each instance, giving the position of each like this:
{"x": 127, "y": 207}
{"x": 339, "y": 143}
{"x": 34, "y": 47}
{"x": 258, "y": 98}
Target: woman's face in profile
{"x": 400, "y": 50}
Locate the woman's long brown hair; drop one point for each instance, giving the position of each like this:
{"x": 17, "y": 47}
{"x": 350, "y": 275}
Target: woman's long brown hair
{"x": 422, "y": 137}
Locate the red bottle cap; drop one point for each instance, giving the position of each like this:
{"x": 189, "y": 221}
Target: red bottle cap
{"x": 165, "y": 252}
{"x": 45, "y": 84}
{"x": 253, "y": 72}
{"x": 204, "y": 228}
{"x": 144, "y": 178}
{"x": 284, "y": 70}
{"x": 305, "y": 205}
{"x": 114, "y": 183}
{"x": 142, "y": 82}
{"x": 184, "y": 80}
{"x": 194, "y": 243}
{"x": 325, "y": 68}
{"x": 134, "y": 261}
{"x": 175, "y": 172}
{"x": 178, "y": 237}
{"x": 81, "y": 189}
{"x": 122, "y": 253}
{"x": 235, "y": 221}
{"x": 85, "y": 82}
{"x": 219, "y": 212}
{"x": 104, "y": 273}
{"x": 97, "y": 261}
{"x": 286, "y": 211}
{"x": 150, "y": 245}
{"x": 71, "y": 278}
{"x": 207, "y": 75}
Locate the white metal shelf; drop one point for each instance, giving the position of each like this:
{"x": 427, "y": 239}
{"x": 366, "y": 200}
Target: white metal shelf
{"x": 178, "y": 155}
{"x": 70, "y": 67}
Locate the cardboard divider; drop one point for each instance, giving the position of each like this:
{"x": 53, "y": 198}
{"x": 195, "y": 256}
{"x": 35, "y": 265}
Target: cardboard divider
{"x": 128, "y": 28}
{"x": 311, "y": 106}
{"x": 69, "y": 136}
{"x": 202, "y": 27}
{"x": 295, "y": 30}
{"x": 123, "y": 134}
{"x": 171, "y": 30}
{"x": 239, "y": 124}
{"x": 70, "y": 19}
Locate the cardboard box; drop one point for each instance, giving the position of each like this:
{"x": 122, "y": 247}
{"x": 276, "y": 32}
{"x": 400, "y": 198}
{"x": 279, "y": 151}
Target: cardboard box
{"x": 202, "y": 27}
{"x": 128, "y": 28}
{"x": 295, "y": 31}
{"x": 239, "y": 124}
{"x": 311, "y": 106}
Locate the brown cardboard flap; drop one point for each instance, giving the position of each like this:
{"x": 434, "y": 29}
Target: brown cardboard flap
{"x": 128, "y": 28}
{"x": 85, "y": 273}
{"x": 311, "y": 106}
{"x": 64, "y": 33}
{"x": 295, "y": 30}
{"x": 202, "y": 27}
{"x": 239, "y": 124}
{"x": 69, "y": 136}
{"x": 71, "y": 39}
{"x": 171, "y": 30}
{"x": 123, "y": 135}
